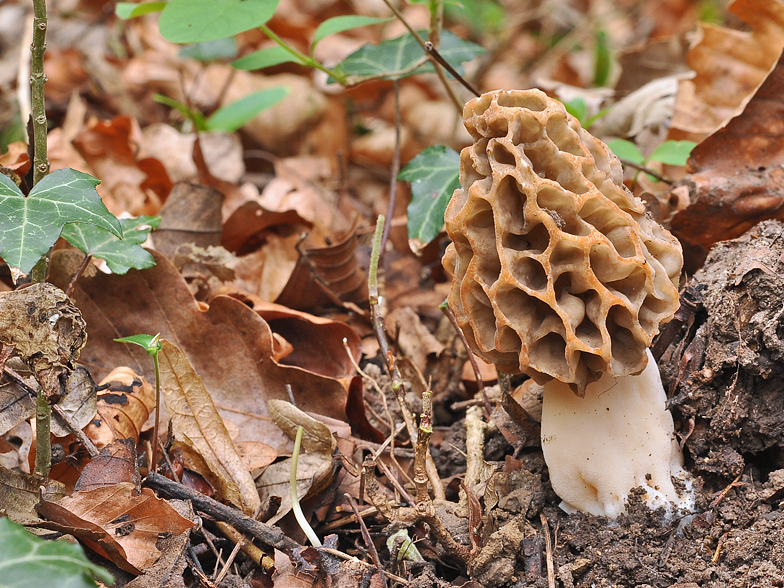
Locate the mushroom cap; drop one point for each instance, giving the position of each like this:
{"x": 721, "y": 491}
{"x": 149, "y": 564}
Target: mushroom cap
{"x": 557, "y": 270}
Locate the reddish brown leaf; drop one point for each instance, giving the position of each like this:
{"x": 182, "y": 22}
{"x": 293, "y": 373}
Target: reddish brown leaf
{"x": 737, "y": 178}
{"x": 116, "y": 463}
{"x": 117, "y": 522}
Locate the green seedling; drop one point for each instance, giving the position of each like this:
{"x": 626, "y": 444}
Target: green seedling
{"x": 152, "y": 345}
{"x": 578, "y": 108}
{"x": 668, "y": 153}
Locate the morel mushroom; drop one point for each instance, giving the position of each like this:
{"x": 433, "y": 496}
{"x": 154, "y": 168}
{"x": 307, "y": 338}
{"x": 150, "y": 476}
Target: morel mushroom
{"x": 558, "y": 272}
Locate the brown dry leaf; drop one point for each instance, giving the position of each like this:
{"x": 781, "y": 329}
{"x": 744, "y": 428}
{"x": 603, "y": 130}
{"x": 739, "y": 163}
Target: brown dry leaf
{"x": 78, "y": 403}
{"x": 265, "y": 272}
{"x": 256, "y": 455}
{"x": 167, "y": 571}
{"x": 16, "y": 403}
{"x": 192, "y": 214}
{"x": 228, "y": 345}
{"x": 16, "y": 158}
{"x": 730, "y": 64}
{"x": 116, "y": 522}
{"x": 197, "y": 424}
{"x": 316, "y": 436}
{"x": 414, "y": 339}
{"x": 19, "y": 494}
{"x": 325, "y": 275}
{"x": 123, "y": 407}
{"x": 737, "y": 178}
{"x": 127, "y": 184}
{"x": 116, "y": 463}
{"x": 249, "y": 225}
{"x": 222, "y": 152}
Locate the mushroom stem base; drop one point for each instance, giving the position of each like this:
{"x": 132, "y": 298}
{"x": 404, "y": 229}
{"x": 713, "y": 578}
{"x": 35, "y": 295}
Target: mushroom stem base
{"x": 618, "y": 437}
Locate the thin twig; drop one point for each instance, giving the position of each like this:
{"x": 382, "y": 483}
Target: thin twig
{"x": 395, "y": 171}
{"x": 77, "y": 275}
{"x": 266, "y": 534}
{"x": 437, "y": 66}
{"x": 351, "y": 558}
{"x": 647, "y": 170}
{"x": 368, "y": 539}
{"x": 430, "y": 48}
{"x": 548, "y": 548}
{"x": 477, "y": 374}
{"x": 398, "y": 486}
{"x": 397, "y": 380}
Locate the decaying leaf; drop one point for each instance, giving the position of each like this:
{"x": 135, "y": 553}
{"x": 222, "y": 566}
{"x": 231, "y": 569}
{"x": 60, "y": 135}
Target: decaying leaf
{"x": 115, "y": 464}
{"x": 123, "y": 407}
{"x": 78, "y": 402}
{"x": 19, "y": 494}
{"x": 730, "y": 64}
{"x": 316, "y": 436}
{"x": 197, "y": 424}
{"x": 192, "y": 214}
{"x": 47, "y": 331}
{"x": 116, "y": 522}
{"x": 737, "y": 178}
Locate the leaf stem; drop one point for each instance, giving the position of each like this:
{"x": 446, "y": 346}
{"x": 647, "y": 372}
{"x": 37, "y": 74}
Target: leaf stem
{"x": 298, "y": 514}
{"x": 155, "y": 442}
{"x": 302, "y": 58}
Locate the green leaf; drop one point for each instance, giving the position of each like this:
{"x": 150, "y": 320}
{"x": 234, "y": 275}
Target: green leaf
{"x": 193, "y": 21}
{"x": 340, "y": 24}
{"x": 232, "y": 116}
{"x": 127, "y": 10}
{"x": 26, "y": 560}
{"x": 151, "y": 343}
{"x": 120, "y": 255}
{"x": 194, "y": 115}
{"x": 483, "y": 16}
{"x": 602, "y": 60}
{"x": 395, "y": 55}
{"x": 266, "y": 58}
{"x": 434, "y": 176}
{"x": 225, "y": 48}
{"x": 627, "y": 150}
{"x": 673, "y": 152}
{"x": 577, "y": 108}
{"x": 30, "y": 226}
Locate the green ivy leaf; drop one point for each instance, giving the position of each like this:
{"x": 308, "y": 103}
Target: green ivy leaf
{"x": 434, "y": 176}
{"x": 151, "y": 343}
{"x": 266, "y": 58}
{"x": 120, "y": 255}
{"x": 26, "y": 560}
{"x": 225, "y": 48}
{"x": 340, "y": 24}
{"x": 232, "y": 116}
{"x": 399, "y": 54}
{"x": 673, "y": 152}
{"x": 193, "y": 21}
{"x": 627, "y": 150}
{"x": 128, "y": 10}
{"x": 31, "y": 225}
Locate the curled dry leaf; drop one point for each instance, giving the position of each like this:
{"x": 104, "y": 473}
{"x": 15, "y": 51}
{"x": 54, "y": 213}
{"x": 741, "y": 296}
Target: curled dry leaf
{"x": 116, "y": 522}
{"x": 197, "y": 424}
{"x": 729, "y": 65}
{"x": 115, "y": 464}
{"x": 316, "y": 436}
{"x": 128, "y": 184}
{"x": 123, "y": 407}
{"x": 737, "y": 178}
{"x": 323, "y": 274}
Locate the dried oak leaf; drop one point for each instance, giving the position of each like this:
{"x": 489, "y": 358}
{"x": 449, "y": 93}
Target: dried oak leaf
{"x": 198, "y": 426}
{"x": 228, "y": 345}
{"x": 116, "y": 522}
{"x": 729, "y": 65}
{"x": 123, "y": 407}
{"x": 115, "y": 464}
{"x": 736, "y": 178}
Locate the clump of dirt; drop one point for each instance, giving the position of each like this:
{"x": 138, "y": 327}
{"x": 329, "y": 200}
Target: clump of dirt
{"x": 726, "y": 369}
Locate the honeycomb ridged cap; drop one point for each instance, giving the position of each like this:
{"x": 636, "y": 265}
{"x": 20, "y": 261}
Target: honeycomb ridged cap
{"x": 557, "y": 270}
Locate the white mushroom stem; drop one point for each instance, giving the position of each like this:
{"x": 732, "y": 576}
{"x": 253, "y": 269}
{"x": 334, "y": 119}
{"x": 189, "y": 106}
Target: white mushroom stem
{"x": 618, "y": 437}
